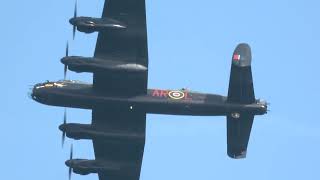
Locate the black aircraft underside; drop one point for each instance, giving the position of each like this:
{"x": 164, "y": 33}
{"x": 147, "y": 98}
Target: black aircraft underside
{"x": 119, "y": 97}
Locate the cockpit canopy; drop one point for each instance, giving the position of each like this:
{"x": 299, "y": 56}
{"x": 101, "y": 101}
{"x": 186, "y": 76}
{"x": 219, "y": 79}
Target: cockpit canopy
{"x": 57, "y": 84}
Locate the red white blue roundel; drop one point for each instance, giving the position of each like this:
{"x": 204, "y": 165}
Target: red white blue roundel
{"x": 176, "y": 94}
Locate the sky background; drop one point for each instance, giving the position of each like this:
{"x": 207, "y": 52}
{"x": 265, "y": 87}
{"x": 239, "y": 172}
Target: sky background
{"x": 190, "y": 45}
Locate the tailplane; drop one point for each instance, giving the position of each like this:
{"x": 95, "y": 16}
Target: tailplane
{"x": 240, "y": 92}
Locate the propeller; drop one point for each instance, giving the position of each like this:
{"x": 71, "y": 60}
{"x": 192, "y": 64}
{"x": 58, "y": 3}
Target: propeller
{"x": 66, "y": 66}
{"x": 70, "y": 168}
{"x": 64, "y": 123}
{"x": 65, "y": 109}
{"x": 75, "y": 16}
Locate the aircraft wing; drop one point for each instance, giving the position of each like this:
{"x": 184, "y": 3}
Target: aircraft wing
{"x": 125, "y": 154}
{"x": 128, "y": 46}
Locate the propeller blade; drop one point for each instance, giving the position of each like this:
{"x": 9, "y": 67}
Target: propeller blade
{"x": 75, "y": 15}
{"x": 71, "y": 155}
{"x": 71, "y": 152}
{"x": 70, "y": 172}
{"x": 65, "y": 116}
{"x": 67, "y": 49}
{"x": 65, "y": 72}
{"x": 74, "y": 32}
{"x": 65, "y": 66}
{"x": 75, "y": 9}
{"x": 64, "y": 122}
{"x": 63, "y": 138}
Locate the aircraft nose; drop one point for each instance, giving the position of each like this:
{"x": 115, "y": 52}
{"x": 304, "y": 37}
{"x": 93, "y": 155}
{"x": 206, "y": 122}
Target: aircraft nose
{"x": 35, "y": 93}
{"x": 242, "y": 55}
{"x": 38, "y": 93}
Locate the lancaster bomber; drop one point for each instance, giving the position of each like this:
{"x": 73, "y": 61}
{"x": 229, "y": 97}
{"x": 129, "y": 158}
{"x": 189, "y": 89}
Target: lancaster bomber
{"x": 120, "y": 99}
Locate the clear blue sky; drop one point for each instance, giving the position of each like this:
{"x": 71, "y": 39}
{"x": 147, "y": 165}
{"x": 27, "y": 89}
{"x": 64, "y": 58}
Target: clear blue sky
{"x": 190, "y": 45}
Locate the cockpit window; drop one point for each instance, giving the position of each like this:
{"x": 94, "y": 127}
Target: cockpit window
{"x": 51, "y": 84}
{"x": 70, "y": 82}
{"x": 58, "y": 84}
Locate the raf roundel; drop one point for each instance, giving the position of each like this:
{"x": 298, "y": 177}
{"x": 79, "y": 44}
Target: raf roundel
{"x": 176, "y": 95}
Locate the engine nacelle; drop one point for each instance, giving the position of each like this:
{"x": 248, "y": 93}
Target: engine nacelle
{"x": 90, "y": 25}
{"x": 86, "y": 131}
{"x": 96, "y": 65}
{"x": 85, "y": 167}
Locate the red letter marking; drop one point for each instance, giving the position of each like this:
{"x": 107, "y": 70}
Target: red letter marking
{"x": 156, "y": 93}
{"x": 186, "y": 96}
{"x": 163, "y": 93}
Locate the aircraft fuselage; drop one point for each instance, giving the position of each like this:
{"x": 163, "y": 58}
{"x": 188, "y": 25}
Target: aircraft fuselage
{"x": 172, "y": 102}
